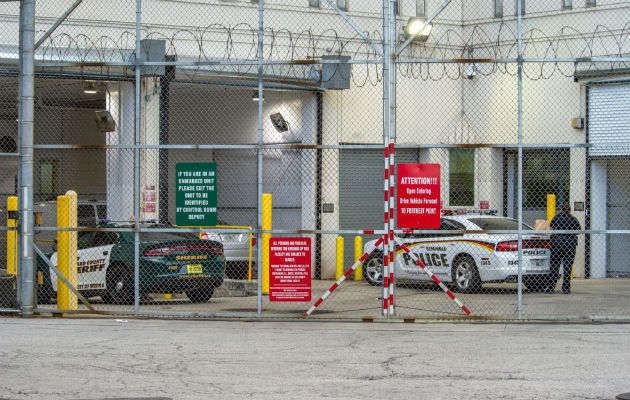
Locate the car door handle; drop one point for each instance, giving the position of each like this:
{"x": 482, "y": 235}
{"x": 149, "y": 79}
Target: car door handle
{"x": 105, "y": 252}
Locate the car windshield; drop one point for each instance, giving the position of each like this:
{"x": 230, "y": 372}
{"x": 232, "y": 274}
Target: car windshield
{"x": 501, "y": 224}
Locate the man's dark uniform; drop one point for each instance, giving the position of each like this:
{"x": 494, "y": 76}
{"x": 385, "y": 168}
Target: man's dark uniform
{"x": 563, "y": 250}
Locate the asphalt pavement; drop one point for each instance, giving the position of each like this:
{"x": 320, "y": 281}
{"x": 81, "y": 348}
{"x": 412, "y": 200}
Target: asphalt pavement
{"x": 96, "y": 358}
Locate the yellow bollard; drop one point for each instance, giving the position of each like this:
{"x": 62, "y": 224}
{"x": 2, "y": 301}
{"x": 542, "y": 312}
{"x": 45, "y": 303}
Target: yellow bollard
{"x": 358, "y": 252}
{"x": 12, "y": 205}
{"x": 67, "y": 250}
{"x": 249, "y": 268}
{"x": 266, "y": 225}
{"x": 551, "y": 206}
{"x": 339, "y": 267}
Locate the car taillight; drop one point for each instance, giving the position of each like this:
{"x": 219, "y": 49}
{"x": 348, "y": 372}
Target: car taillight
{"x": 507, "y": 246}
{"x": 253, "y": 241}
{"x": 527, "y": 244}
{"x": 157, "y": 251}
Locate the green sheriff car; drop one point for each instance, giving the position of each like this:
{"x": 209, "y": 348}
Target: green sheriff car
{"x": 170, "y": 262}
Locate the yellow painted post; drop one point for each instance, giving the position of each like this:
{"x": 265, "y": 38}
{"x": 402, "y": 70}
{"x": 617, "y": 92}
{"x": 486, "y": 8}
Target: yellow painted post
{"x": 266, "y": 225}
{"x": 12, "y": 205}
{"x": 67, "y": 250}
{"x": 249, "y": 269}
{"x": 339, "y": 266}
{"x": 358, "y": 252}
{"x": 551, "y": 206}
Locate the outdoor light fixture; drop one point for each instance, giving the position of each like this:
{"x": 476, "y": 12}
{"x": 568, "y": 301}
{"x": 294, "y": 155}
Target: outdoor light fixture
{"x": 418, "y": 29}
{"x": 279, "y": 122}
{"x": 89, "y": 87}
{"x": 255, "y": 96}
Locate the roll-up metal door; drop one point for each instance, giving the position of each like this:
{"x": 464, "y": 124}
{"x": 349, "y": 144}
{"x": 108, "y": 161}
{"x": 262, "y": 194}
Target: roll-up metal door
{"x": 609, "y": 119}
{"x": 237, "y": 190}
{"x": 361, "y": 185}
{"x": 618, "y": 210}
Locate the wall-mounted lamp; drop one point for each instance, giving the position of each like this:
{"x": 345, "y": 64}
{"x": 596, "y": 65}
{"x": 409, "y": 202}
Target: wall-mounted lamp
{"x": 255, "y": 96}
{"x": 418, "y": 29}
{"x": 577, "y": 123}
{"x": 279, "y": 122}
{"x": 89, "y": 87}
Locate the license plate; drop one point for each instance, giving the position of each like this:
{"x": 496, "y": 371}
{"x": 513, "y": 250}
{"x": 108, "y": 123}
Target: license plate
{"x": 194, "y": 268}
{"x": 538, "y": 264}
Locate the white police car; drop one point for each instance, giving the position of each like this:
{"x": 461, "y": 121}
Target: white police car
{"x": 466, "y": 259}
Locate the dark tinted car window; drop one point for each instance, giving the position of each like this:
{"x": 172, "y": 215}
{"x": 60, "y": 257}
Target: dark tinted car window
{"x": 84, "y": 240}
{"x": 450, "y": 225}
{"x": 85, "y": 214}
{"x": 153, "y": 236}
{"x": 104, "y": 238}
{"x": 102, "y": 211}
{"x": 503, "y": 224}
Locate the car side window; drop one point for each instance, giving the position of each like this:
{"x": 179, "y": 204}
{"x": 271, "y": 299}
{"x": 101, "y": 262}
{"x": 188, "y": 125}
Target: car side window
{"x": 85, "y": 215}
{"x": 104, "y": 239}
{"x": 449, "y": 225}
{"x": 84, "y": 240}
{"x": 101, "y": 210}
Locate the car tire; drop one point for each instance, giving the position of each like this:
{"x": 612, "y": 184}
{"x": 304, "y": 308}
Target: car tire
{"x": 200, "y": 295}
{"x": 373, "y": 269}
{"x": 118, "y": 285}
{"x": 536, "y": 283}
{"x": 465, "y": 275}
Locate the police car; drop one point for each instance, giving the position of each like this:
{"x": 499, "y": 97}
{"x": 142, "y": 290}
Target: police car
{"x": 466, "y": 260}
{"x": 170, "y": 262}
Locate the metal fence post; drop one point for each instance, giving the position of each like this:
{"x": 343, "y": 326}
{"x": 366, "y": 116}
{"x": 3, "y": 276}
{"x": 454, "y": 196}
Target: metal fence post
{"x": 520, "y": 158}
{"x": 136, "y": 162}
{"x": 27, "y": 97}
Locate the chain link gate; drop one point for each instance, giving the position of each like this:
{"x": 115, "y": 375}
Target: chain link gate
{"x": 172, "y": 120}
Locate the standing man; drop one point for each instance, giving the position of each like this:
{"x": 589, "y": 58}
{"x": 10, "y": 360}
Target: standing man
{"x": 563, "y": 248}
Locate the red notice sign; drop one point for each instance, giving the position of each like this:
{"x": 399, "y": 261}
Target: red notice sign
{"x": 418, "y": 202}
{"x": 290, "y": 269}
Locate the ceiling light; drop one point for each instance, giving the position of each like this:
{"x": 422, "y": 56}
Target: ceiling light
{"x": 255, "y": 96}
{"x": 89, "y": 87}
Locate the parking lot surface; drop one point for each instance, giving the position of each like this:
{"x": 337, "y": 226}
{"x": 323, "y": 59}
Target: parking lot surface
{"x": 94, "y": 358}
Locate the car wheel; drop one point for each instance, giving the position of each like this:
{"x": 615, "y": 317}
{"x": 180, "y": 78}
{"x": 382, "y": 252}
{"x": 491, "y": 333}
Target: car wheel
{"x": 373, "y": 270}
{"x": 465, "y": 275}
{"x": 119, "y": 285}
{"x": 536, "y": 283}
{"x": 200, "y": 295}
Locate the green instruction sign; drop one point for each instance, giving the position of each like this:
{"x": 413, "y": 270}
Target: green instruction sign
{"x": 196, "y": 194}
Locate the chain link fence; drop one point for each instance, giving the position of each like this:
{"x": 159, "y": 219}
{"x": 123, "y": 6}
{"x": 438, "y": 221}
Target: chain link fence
{"x": 198, "y": 134}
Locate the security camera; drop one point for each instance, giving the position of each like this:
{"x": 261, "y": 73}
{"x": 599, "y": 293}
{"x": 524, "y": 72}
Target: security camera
{"x": 471, "y": 71}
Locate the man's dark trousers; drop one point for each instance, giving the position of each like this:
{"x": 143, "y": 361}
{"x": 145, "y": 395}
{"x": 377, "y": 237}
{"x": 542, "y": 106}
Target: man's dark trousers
{"x": 561, "y": 255}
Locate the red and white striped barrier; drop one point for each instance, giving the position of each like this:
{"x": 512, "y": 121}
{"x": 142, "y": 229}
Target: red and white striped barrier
{"x": 387, "y": 245}
{"x": 336, "y": 284}
{"x": 434, "y": 278}
{"x": 392, "y": 224}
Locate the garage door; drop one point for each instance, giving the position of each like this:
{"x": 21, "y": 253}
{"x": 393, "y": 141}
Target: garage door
{"x": 361, "y": 191}
{"x": 609, "y": 119}
{"x": 618, "y": 210}
{"x": 237, "y": 187}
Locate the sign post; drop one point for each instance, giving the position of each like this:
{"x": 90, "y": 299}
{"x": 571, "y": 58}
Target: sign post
{"x": 290, "y": 269}
{"x": 196, "y": 194}
{"x": 418, "y": 200}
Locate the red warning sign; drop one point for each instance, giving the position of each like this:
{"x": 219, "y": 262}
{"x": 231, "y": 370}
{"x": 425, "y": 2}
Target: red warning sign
{"x": 290, "y": 269}
{"x": 418, "y": 200}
